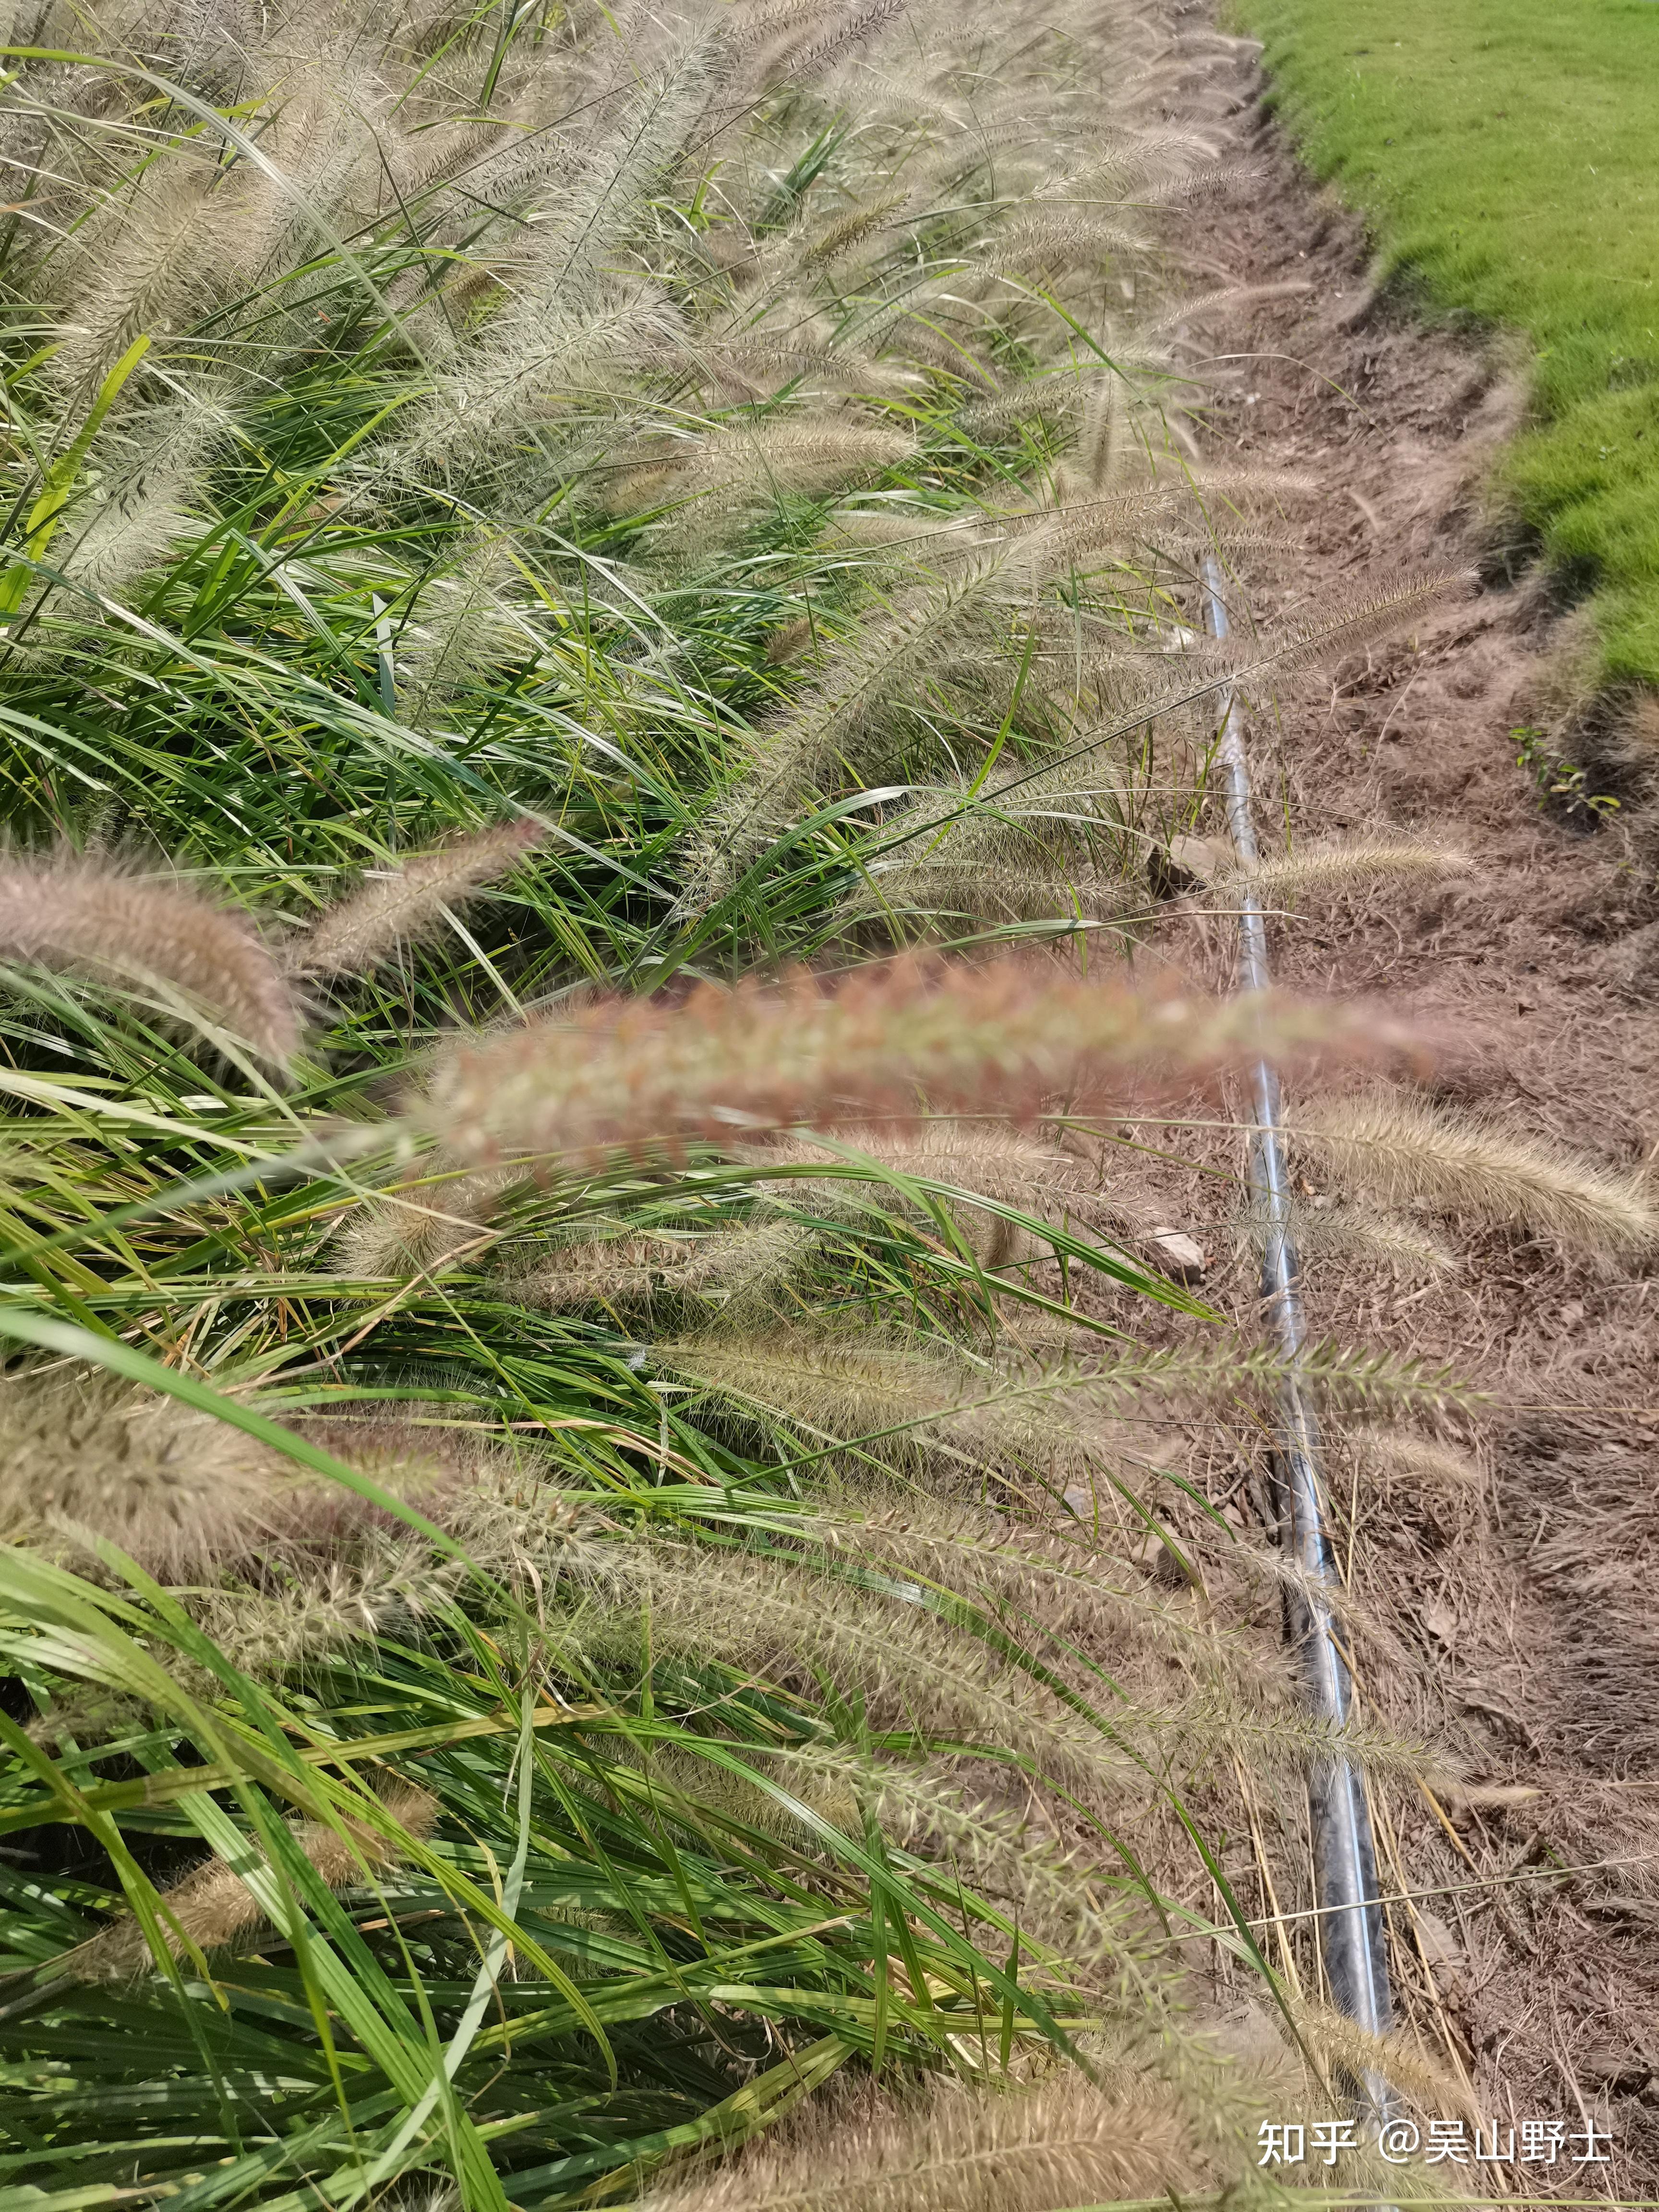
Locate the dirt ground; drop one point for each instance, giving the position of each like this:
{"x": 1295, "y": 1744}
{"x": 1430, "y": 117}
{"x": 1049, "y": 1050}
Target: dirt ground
{"x": 1514, "y": 1620}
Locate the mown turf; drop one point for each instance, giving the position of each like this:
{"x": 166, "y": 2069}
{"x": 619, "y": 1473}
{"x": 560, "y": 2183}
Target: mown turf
{"x": 1505, "y": 154}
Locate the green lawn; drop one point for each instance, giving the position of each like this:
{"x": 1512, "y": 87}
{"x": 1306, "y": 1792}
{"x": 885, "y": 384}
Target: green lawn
{"x": 1507, "y": 153}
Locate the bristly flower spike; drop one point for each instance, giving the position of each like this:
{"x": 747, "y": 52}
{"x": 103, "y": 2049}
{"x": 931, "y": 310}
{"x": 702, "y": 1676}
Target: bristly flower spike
{"x": 86, "y": 918}
{"x": 407, "y": 905}
{"x": 1005, "y": 1037}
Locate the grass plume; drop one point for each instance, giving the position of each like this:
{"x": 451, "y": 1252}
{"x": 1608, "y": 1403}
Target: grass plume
{"x": 733, "y": 1271}
{"x": 406, "y": 905}
{"x": 1339, "y": 868}
{"x": 212, "y": 1909}
{"x": 1007, "y": 1166}
{"x": 1063, "y": 2143}
{"x": 914, "y": 1408}
{"x": 86, "y": 917}
{"x": 86, "y": 1455}
{"x": 402, "y": 1234}
{"x": 834, "y": 724}
{"x": 1404, "y": 1151}
{"x": 1351, "y": 621}
{"x": 1005, "y": 1038}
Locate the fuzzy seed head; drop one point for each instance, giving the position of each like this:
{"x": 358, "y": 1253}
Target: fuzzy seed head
{"x": 1068, "y": 2142}
{"x": 841, "y": 721}
{"x": 213, "y": 1908}
{"x": 407, "y": 905}
{"x": 1003, "y": 1165}
{"x": 1004, "y": 1037}
{"x": 1336, "y": 868}
{"x": 1349, "y": 622}
{"x": 1419, "y": 1464}
{"x": 85, "y": 918}
{"x": 921, "y": 1411}
{"x": 731, "y": 1270}
{"x": 82, "y": 1451}
{"x": 1404, "y": 1151}
{"x": 422, "y": 1230}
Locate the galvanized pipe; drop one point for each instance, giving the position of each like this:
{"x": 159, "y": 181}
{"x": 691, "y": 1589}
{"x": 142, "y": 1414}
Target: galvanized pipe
{"x": 1352, "y": 1944}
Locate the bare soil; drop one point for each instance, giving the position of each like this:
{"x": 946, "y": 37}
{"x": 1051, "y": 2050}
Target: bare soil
{"x": 1516, "y": 1621}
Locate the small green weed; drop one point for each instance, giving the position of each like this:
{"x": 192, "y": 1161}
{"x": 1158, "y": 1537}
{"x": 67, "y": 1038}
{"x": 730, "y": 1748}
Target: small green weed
{"x": 1561, "y": 787}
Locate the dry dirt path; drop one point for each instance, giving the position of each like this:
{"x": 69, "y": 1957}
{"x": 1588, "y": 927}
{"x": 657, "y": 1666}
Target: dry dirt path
{"x": 1521, "y": 1625}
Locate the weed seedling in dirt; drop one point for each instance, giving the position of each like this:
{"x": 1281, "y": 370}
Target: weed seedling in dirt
{"x": 1561, "y": 789}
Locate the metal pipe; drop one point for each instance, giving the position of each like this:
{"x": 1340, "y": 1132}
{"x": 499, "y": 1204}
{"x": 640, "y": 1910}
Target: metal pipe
{"x": 1353, "y": 1943}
